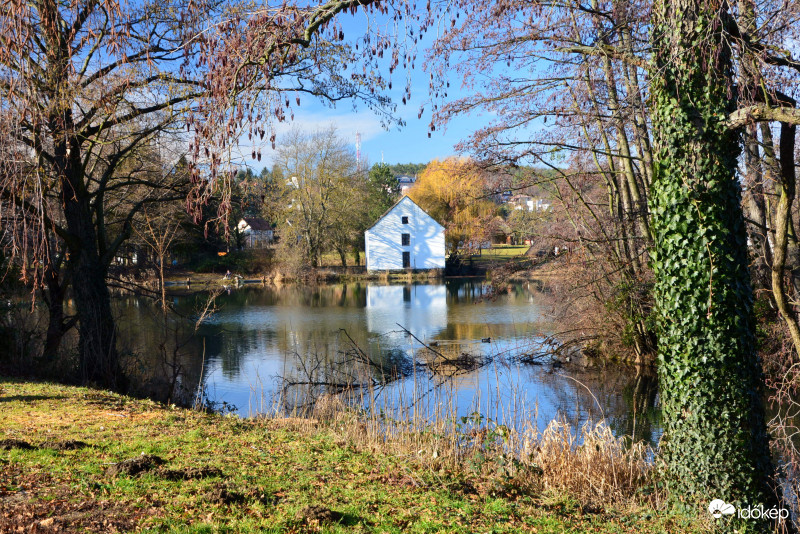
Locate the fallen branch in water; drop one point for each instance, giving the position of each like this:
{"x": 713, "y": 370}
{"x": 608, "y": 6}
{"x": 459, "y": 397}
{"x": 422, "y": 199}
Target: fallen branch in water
{"x": 355, "y": 371}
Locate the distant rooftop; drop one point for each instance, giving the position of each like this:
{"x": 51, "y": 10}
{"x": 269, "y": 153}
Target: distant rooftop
{"x": 257, "y": 223}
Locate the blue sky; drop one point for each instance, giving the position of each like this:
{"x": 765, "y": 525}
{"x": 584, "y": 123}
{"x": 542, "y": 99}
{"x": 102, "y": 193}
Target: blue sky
{"x": 407, "y": 144}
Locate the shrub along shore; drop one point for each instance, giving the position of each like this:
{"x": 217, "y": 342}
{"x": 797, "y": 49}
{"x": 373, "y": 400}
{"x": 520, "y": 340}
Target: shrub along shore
{"x": 77, "y": 459}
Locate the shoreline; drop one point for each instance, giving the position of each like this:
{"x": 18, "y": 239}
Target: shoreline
{"x": 332, "y": 275}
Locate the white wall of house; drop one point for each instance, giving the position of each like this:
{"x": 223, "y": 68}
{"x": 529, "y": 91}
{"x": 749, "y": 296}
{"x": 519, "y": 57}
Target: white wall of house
{"x": 384, "y": 241}
{"x": 255, "y": 238}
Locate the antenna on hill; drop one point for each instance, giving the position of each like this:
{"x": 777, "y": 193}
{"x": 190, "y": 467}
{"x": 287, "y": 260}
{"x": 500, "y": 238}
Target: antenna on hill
{"x": 358, "y": 151}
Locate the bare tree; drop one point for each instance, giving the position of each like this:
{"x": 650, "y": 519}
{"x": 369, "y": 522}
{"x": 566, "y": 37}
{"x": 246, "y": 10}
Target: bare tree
{"x": 566, "y": 82}
{"x": 321, "y": 183}
{"x": 86, "y": 87}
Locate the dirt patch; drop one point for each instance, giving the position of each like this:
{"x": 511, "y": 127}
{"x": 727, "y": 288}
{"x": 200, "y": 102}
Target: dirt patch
{"x": 589, "y": 509}
{"x": 190, "y": 473}
{"x": 134, "y": 466}
{"x": 68, "y": 445}
{"x": 221, "y": 494}
{"x": 8, "y": 444}
{"x": 318, "y": 514}
{"x": 60, "y": 515}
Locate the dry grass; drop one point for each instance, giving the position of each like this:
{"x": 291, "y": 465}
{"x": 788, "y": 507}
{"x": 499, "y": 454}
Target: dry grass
{"x": 502, "y": 456}
{"x": 593, "y": 466}
{"x": 497, "y": 449}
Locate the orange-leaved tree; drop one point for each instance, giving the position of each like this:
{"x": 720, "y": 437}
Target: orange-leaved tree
{"x": 453, "y": 191}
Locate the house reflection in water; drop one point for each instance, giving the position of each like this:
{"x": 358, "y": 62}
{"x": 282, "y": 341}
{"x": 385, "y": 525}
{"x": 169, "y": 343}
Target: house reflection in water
{"x": 421, "y": 309}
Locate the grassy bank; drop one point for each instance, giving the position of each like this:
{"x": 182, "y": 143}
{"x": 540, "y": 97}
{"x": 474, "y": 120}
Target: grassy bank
{"x": 194, "y": 472}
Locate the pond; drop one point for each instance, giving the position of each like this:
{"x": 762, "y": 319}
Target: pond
{"x": 258, "y": 336}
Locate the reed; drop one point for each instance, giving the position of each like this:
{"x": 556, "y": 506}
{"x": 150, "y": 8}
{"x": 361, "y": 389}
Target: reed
{"x": 496, "y": 450}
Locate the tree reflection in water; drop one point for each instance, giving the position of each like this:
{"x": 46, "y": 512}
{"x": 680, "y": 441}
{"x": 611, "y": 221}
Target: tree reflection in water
{"x": 262, "y": 334}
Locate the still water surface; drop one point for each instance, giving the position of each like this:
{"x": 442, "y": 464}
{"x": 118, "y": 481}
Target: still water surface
{"x": 261, "y": 334}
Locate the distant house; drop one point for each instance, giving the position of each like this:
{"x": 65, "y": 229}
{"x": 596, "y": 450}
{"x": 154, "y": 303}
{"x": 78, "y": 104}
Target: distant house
{"x": 405, "y": 237}
{"x": 499, "y": 231}
{"x": 525, "y": 202}
{"x": 256, "y": 232}
{"x": 405, "y": 183}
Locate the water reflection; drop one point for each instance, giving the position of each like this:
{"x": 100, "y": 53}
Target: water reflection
{"x": 259, "y": 334}
{"x": 422, "y": 309}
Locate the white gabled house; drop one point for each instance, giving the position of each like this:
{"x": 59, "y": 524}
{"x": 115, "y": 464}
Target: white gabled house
{"x": 405, "y": 237}
{"x": 257, "y": 232}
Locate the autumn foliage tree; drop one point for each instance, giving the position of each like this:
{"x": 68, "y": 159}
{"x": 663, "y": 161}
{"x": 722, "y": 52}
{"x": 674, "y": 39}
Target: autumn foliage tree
{"x": 453, "y": 191}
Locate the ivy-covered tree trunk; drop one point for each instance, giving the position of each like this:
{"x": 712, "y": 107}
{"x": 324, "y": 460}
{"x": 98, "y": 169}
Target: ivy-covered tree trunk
{"x": 715, "y": 438}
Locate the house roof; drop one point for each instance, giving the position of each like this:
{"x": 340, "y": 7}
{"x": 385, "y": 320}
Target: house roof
{"x": 387, "y": 212}
{"x": 257, "y": 223}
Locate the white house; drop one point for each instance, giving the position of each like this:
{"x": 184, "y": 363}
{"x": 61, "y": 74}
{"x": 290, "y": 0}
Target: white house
{"x": 525, "y": 202}
{"x": 257, "y": 232}
{"x": 405, "y": 237}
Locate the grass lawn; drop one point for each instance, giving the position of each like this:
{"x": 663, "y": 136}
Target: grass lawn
{"x": 499, "y": 254}
{"x": 211, "y": 473}
{"x": 332, "y": 259}
{"x": 503, "y": 252}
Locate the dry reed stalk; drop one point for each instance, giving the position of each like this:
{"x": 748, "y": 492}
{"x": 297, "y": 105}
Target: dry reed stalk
{"x": 592, "y": 466}
{"x": 498, "y": 449}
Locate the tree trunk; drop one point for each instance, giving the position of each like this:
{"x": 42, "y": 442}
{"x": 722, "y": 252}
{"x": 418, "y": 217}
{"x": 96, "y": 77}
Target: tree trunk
{"x": 55, "y": 305}
{"x": 715, "y": 440}
{"x": 98, "y": 358}
{"x": 783, "y": 223}
{"x": 99, "y": 361}
{"x": 755, "y": 210}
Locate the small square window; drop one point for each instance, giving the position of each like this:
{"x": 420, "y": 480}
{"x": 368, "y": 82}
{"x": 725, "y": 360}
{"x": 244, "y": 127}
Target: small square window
{"x": 404, "y": 219}
{"x": 405, "y": 239}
